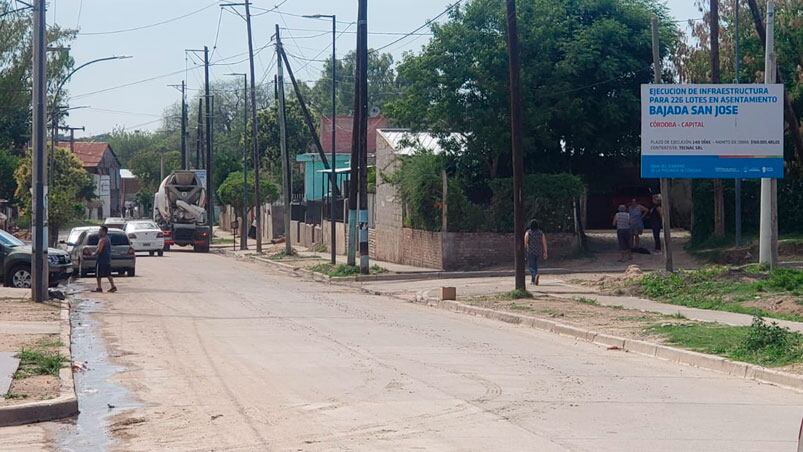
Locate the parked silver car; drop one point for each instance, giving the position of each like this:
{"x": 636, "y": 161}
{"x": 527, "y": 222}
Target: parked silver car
{"x": 83, "y": 249}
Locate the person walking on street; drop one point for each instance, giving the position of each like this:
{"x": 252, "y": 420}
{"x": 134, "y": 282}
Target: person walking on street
{"x": 535, "y": 244}
{"x": 656, "y": 217}
{"x": 621, "y": 221}
{"x": 103, "y": 265}
{"x": 637, "y": 213}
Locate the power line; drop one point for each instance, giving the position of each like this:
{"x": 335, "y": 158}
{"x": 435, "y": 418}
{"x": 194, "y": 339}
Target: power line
{"x": 266, "y": 11}
{"x": 426, "y": 24}
{"x": 126, "y": 85}
{"x": 217, "y": 33}
{"x": 376, "y": 33}
{"x": 144, "y": 27}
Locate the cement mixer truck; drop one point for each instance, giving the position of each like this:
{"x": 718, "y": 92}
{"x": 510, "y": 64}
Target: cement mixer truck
{"x": 179, "y": 208}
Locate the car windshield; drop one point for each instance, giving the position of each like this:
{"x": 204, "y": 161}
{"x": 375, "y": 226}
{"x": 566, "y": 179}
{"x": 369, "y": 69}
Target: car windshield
{"x": 75, "y": 234}
{"x": 9, "y": 240}
{"x": 143, "y": 225}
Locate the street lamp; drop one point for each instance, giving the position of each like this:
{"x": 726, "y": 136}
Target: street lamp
{"x": 55, "y": 119}
{"x": 244, "y": 212}
{"x": 332, "y": 191}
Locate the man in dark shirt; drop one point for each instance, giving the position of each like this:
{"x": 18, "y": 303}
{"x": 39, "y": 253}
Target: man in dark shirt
{"x": 103, "y": 266}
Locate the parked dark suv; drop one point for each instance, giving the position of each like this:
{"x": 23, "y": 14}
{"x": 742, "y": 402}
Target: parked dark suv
{"x": 15, "y": 263}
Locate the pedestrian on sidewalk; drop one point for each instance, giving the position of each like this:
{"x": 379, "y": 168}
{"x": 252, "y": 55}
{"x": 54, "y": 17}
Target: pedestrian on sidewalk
{"x": 103, "y": 263}
{"x": 621, "y": 221}
{"x": 535, "y": 244}
{"x": 656, "y": 218}
{"x": 637, "y": 213}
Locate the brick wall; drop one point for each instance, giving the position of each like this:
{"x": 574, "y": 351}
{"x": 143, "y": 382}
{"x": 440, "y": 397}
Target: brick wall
{"x": 407, "y": 246}
{"x": 471, "y": 251}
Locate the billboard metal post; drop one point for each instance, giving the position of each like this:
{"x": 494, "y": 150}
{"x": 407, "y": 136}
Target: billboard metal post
{"x": 666, "y": 202}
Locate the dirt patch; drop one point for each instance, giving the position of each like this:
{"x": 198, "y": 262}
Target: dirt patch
{"x": 28, "y": 311}
{"x": 783, "y": 304}
{"x": 15, "y": 342}
{"x": 582, "y": 313}
{"x": 31, "y": 389}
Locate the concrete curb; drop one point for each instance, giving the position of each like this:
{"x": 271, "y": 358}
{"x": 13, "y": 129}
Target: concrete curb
{"x": 66, "y": 405}
{"x": 666, "y": 353}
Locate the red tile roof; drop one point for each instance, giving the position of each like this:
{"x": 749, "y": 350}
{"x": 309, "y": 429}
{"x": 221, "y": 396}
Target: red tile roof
{"x": 90, "y": 154}
{"x": 344, "y": 130}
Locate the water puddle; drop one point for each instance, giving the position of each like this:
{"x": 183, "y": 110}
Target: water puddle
{"x": 98, "y": 397}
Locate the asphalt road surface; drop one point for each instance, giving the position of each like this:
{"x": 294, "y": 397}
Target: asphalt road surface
{"x": 219, "y": 354}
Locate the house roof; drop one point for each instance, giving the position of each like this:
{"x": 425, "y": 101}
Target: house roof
{"x": 405, "y": 142}
{"x": 90, "y": 153}
{"x": 344, "y": 128}
{"x": 126, "y": 174}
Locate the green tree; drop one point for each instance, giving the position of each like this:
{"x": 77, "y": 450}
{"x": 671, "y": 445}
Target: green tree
{"x": 15, "y": 71}
{"x": 8, "y": 165}
{"x": 71, "y": 188}
{"x": 583, "y": 62}
{"x": 693, "y": 57}
{"x": 147, "y": 166}
{"x": 382, "y": 86}
{"x": 231, "y": 191}
{"x": 299, "y": 138}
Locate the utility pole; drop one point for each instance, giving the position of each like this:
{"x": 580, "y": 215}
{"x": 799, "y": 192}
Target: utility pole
{"x": 666, "y": 197}
{"x": 39, "y": 258}
{"x": 254, "y": 129}
{"x": 362, "y": 29}
{"x": 354, "y": 173}
{"x": 244, "y": 212}
{"x": 184, "y": 158}
{"x": 72, "y": 136}
{"x": 516, "y": 131}
{"x": 287, "y": 182}
{"x": 210, "y": 185}
{"x": 199, "y": 135}
{"x": 335, "y": 188}
{"x": 737, "y": 188}
{"x": 719, "y": 190}
{"x": 768, "y": 236}
{"x": 334, "y": 192}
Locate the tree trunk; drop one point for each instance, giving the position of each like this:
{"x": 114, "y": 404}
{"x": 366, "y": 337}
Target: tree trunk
{"x": 719, "y": 192}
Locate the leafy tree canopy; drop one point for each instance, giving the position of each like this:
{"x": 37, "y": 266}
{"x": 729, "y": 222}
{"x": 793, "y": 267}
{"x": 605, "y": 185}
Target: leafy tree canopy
{"x": 583, "y": 62}
{"x": 382, "y": 86}
{"x": 231, "y": 191}
{"x": 71, "y": 187}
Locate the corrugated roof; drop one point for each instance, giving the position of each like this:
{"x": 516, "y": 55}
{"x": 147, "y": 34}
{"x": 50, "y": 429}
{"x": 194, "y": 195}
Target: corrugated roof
{"x": 90, "y": 154}
{"x": 126, "y": 174}
{"x": 405, "y": 142}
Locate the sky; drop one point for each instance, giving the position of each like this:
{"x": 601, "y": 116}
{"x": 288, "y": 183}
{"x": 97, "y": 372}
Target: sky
{"x": 133, "y": 93}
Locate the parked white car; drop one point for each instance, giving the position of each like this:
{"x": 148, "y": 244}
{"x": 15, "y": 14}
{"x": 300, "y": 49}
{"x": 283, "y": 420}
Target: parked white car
{"x": 145, "y": 236}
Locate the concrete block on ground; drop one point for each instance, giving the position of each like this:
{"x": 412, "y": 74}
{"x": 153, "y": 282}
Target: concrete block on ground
{"x": 8, "y": 367}
{"x": 449, "y": 293}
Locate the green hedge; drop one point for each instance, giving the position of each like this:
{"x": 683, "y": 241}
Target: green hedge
{"x": 548, "y": 198}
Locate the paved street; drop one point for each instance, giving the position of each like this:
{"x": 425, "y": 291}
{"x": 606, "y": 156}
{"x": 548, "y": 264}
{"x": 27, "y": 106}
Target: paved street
{"x": 219, "y": 354}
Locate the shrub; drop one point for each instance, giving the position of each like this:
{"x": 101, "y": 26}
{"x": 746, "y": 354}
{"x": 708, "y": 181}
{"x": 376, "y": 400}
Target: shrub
{"x": 547, "y": 197}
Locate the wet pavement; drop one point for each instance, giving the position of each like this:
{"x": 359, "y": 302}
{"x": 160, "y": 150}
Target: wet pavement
{"x": 99, "y": 398}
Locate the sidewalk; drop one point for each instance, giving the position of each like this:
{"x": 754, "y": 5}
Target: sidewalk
{"x": 559, "y": 287}
{"x": 42, "y": 329}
